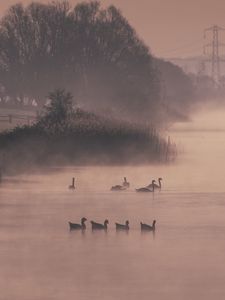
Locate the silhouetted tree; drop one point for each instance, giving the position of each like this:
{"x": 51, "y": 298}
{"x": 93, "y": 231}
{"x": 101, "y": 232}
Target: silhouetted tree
{"x": 92, "y": 51}
{"x": 58, "y": 113}
{"x": 177, "y": 89}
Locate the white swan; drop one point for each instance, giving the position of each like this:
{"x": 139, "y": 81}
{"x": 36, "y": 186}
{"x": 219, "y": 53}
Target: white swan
{"x": 122, "y": 187}
{"x": 156, "y": 186}
{"x": 147, "y": 189}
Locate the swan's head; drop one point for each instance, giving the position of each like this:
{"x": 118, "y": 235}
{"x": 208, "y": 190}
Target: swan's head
{"x": 83, "y": 220}
{"x": 106, "y": 222}
{"x": 153, "y": 181}
{"x": 160, "y": 179}
{"x": 127, "y": 223}
{"x": 154, "y": 222}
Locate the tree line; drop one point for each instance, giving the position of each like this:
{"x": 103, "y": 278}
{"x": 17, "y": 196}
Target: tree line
{"x": 90, "y": 51}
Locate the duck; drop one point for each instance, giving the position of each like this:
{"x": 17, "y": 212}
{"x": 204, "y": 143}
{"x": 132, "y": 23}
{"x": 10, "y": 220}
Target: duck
{"x": 72, "y": 186}
{"x": 99, "y": 226}
{"x": 147, "y": 189}
{"x": 78, "y": 226}
{"x": 148, "y": 227}
{"x": 122, "y": 226}
{"x": 156, "y": 186}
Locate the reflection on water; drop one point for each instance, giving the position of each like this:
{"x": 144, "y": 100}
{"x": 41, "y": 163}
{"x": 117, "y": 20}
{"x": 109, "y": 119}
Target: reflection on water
{"x": 41, "y": 258}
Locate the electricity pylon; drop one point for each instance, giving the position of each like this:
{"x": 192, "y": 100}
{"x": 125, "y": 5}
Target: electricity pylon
{"x": 214, "y": 53}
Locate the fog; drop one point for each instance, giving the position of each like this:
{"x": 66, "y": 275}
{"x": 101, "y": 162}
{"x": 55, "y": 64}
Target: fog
{"x": 41, "y": 259}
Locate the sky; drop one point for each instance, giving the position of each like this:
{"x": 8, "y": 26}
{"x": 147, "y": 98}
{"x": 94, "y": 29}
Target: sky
{"x": 171, "y": 28}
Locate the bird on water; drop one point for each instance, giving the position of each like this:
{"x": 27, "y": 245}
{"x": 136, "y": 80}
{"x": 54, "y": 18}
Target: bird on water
{"x": 95, "y": 225}
{"x": 156, "y": 186}
{"x": 147, "y": 189}
{"x": 126, "y": 183}
{"x": 122, "y": 226}
{"x": 122, "y": 187}
{"x": 78, "y": 226}
{"x": 72, "y": 186}
{"x": 146, "y": 227}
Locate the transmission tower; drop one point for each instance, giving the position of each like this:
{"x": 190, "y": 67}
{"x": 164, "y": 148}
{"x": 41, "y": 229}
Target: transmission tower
{"x": 214, "y": 46}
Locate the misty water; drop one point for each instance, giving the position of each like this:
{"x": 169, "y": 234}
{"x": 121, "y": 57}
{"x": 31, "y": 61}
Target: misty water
{"x": 41, "y": 259}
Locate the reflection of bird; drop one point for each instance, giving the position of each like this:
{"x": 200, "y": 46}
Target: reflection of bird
{"x": 147, "y": 189}
{"x": 78, "y": 226}
{"x": 99, "y": 226}
{"x": 122, "y": 226}
{"x": 148, "y": 227}
{"x": 72, "y": 186}
{"x": 156, "y": 186}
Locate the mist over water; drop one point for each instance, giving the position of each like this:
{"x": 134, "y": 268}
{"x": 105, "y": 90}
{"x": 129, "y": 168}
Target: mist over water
{"x": 184, "y": 259}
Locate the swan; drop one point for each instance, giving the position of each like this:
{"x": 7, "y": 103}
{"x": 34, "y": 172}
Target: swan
{"x": 118, "y": 188}
{"x": 148, "y": 227}
{"x": 122, "y": 226}
{"x": 156, "y": 186}
{"x": 78, "y": 226}
{"x": 122, "y": 187}
{"x": 147, "y": 189}
{"x": 126, "y": 183}
{"x": 72, "y": 186}
{"x": 99, "y": 226}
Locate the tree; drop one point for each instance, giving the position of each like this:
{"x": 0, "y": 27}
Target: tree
{"x": 59, "y": 113}
{"x": 177, "y": 89}
{"x": 93, "y": 52}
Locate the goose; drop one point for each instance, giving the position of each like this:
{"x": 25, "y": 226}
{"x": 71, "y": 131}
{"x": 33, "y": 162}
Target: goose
{"x": 99, "y": 226}
{"x": 78, "y": 226}
{"x": 72, "y": 186}
{"x": 122, "y": 226}
{"x": 148, "y": 227}
{"x": 156, "y": 186}
{"x": 147, "y": 189}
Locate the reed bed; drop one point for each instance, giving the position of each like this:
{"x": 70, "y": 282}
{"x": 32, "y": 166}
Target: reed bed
{"x": 83, "y": 139}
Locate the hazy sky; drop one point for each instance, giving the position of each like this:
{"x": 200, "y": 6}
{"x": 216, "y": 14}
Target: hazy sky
{"x": 171, "y": 28}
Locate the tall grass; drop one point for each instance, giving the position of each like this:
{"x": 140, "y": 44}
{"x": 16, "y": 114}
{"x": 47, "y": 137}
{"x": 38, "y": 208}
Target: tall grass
{"x": 83, "y": 139}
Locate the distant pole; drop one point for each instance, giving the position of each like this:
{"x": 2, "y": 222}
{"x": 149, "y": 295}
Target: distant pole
{"x": 214, "y": 56}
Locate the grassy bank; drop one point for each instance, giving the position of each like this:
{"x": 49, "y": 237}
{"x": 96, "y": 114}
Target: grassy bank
{"x": 81, "y": 140}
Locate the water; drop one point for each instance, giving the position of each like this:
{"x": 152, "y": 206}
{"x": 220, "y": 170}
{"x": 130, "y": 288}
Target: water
{"x": 41, "y": 260}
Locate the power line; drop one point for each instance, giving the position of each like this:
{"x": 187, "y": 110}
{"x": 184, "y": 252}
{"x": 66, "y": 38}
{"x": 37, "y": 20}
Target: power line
{"x": 214, "y": 56}
{"x": 196, "y": 44}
